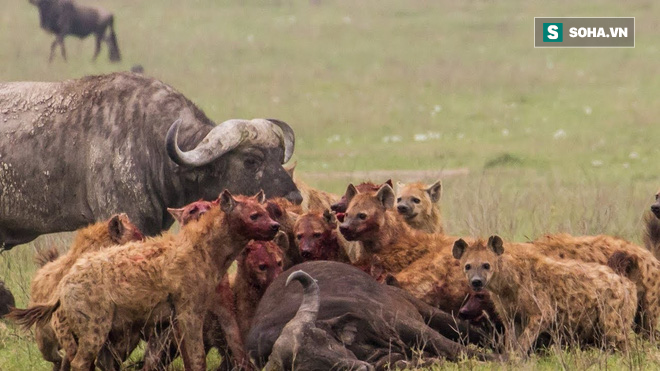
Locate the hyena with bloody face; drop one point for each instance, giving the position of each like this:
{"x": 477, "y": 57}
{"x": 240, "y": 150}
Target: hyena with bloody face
{"x": 148, "y": 282}
{"x": 286, "y": 213}
{"x": 419, "y": 205}
{"x": 371, "y": 219}
{"x": 317, "y": 237}
{"x": 541, "y": 294}
{"x": 257, "y": 267}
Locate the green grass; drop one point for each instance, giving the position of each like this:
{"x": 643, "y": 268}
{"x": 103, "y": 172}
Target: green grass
{"x": 554, "y": 139}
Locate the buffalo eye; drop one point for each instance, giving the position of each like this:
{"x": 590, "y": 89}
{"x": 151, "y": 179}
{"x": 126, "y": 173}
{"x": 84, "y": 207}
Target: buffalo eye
{"x": 398, "y": 199}
{"x": 316, "y": 235}
{"x": 262, "y": 267}
{"x": 486, "y": 266}
{"x": 254, "y": 216}
{"x": 251, "y": 162}
{"x": 468, "y": 267}
{"x": 362, "y": 216}
{"x": 299, "y": 236}
{"x": 416, "y": 200}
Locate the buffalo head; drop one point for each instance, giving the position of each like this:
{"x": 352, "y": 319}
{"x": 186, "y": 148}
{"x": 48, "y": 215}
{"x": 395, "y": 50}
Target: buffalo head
{"x": 243, "y": 156}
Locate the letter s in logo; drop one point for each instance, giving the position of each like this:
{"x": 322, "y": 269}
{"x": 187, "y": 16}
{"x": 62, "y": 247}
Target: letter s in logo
{"x": 552, "y": 32}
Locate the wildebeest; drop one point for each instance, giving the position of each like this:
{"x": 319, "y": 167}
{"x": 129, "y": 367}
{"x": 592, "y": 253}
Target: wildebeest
{"x": 66, "y": 17}
{"x": 378, "y": 323}
{"x": 78, "y": 151}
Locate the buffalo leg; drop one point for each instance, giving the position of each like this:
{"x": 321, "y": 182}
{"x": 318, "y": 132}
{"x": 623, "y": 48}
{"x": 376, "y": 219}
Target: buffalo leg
{"x": 418, "y": 334}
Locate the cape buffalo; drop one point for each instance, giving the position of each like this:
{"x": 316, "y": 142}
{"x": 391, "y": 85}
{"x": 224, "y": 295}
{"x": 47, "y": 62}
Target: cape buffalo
{"x": 66, "y": 17}
{"x": 378, "y": 323}
{"x": 78, "y": 151}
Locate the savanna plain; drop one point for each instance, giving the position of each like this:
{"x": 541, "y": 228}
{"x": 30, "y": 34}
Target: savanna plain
{"x": 531, "y": 141}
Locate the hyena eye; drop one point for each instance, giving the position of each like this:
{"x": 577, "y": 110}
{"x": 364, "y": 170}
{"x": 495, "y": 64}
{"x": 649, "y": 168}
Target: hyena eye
{"x": 254, "y": 216}
{"x": 362, "y": 216}
{"x": 399, "y": 199}
{"x": 468, "y": 267}
{"x": 486, "y": 266}
{"x": 299, "y": 236}
{"x": 416, "y": 200}
{"x": 262, "y": 267}
{"x": 316, "y": 235}
{"x": 279, "y": 263}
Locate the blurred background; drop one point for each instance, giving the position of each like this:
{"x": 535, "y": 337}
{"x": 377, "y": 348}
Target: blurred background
{"x": 532, "y": 141}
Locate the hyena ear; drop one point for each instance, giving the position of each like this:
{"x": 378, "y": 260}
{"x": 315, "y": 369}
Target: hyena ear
{"x": 291, "y": 168}
{"x": 330, "y": 217}
{"x": 177, "y": 214}
{"x": 260, "y": 197}
{"x": 351, "y": 191}
{"x": 435, "y": 191}
{"x": 227, "y": 202}
{"x": 389, "y": 182}
{"x": 399, "y": 185}
{"x": 116, "y": 228}
{"x": 282, "y": 240}
{"x": 496, "y": 244}
{"x": 386, "y": 196}
{"x": 459, "y": 248}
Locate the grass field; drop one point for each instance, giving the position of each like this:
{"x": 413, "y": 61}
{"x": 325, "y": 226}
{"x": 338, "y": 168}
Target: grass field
{"x": 553, "y": 139}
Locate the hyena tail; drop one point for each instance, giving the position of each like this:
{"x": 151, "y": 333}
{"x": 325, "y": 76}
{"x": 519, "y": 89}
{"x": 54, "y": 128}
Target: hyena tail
{"x": 40, "y": 314}
{"x": 45, "y": 256}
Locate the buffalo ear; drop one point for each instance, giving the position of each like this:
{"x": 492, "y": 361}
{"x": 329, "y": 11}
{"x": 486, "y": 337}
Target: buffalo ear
{"x": 177, "y": 214}
{"x": 330, "y": 217}
{"x": 459, "y": 248}
{"x": 435, "y": 191}
{"x": 291, "y": 168}
{"x": 496, "y": 244}
{"x": 261, "y": 196}
{"x": 386, "y": 196}
{"x": 351, "y": 191}
{"x": 116, "y": 228}
{"x": 227, "y": 202}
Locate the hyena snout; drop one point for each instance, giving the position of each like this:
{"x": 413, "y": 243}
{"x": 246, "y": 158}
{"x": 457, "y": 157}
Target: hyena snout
{"x": 403, "y": 209}
{"x": 477, "y": 283}
{"x": 655, "y": 208}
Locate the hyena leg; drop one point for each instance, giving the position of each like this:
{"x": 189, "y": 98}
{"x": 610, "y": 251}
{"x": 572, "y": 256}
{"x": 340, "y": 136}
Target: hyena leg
{"x": 64, "y": 337}
{"x": 616, "y": 323}
{"x": 189, "y": 328}
{"x": 650, "y": 308}
{"x": 90, "y": 342}
{"x": 48, "y": 345}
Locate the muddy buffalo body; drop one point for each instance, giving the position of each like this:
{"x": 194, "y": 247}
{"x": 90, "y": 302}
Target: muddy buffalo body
{"x": 78, "y": 151}
{"x": 377, "y": 323}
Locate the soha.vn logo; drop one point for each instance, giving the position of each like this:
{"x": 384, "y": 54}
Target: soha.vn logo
{"x": 553, "y": 32}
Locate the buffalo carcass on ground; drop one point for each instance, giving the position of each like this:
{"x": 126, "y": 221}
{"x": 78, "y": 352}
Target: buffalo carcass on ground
{"x": 377, "y": 323}
{"x": 79, "y": 151}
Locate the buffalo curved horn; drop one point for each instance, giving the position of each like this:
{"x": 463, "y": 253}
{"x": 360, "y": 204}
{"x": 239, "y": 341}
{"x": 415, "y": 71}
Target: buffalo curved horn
{"x": 289, "y": 138}
{"x": 227, "y": 136}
